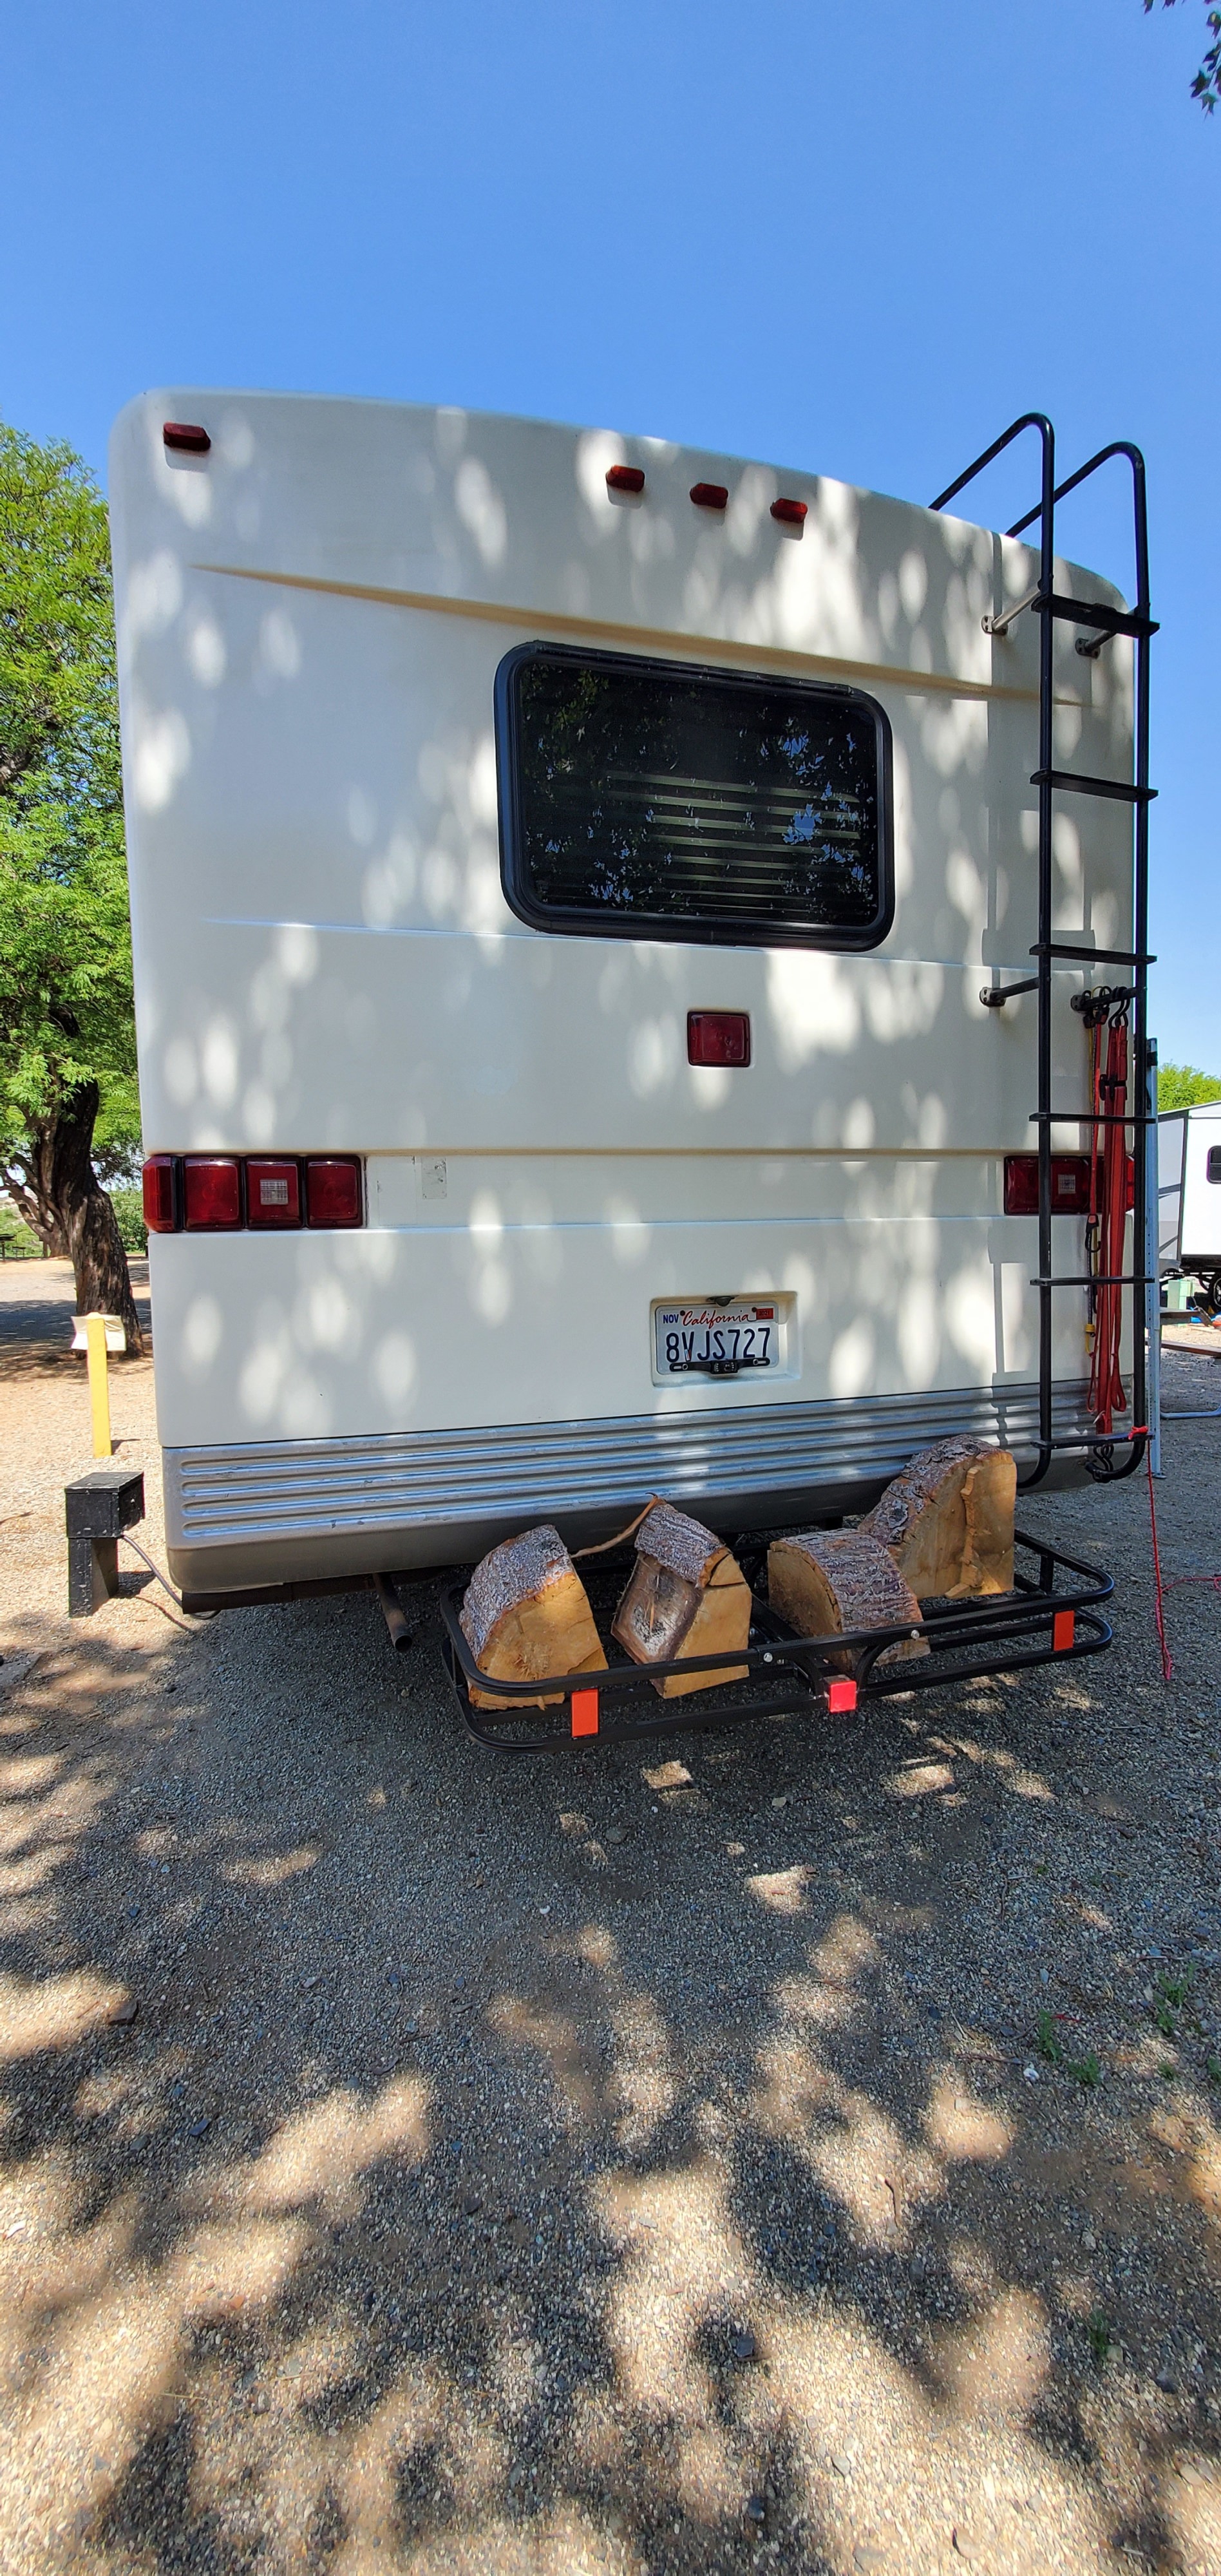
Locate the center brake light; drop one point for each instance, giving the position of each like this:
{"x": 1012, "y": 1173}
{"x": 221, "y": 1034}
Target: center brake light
{"x": 718, "y": 1037}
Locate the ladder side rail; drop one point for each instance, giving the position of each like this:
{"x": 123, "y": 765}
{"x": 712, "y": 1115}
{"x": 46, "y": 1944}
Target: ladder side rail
{"x": 1029, "y": 420}
{"x": 1118, "y": 447}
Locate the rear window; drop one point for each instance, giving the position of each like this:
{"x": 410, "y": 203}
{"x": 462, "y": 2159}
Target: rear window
{"x": 652, "y": 800}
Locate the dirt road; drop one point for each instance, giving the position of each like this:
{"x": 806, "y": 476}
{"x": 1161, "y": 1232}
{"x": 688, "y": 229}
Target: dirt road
{"x": 613, "y": 2162}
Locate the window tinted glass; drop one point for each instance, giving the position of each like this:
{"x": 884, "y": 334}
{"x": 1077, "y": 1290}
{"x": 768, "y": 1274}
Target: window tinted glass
{"x": 665, "y": 802}
{"x": 1214, "y": 1162}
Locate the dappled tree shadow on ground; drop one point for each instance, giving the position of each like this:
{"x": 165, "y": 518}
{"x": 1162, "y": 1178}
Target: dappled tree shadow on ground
{"x": 632, "y": 2160}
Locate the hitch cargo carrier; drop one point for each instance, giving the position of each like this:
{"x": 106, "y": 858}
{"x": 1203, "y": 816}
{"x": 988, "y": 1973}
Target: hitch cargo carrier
{"x": 1052, "y": 1615}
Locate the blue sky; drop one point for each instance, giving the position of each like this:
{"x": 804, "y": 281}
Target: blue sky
{"x": 858, "y": 240}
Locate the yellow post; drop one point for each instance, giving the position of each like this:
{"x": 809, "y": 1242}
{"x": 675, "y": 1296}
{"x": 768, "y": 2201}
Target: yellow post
{"x": 99, "y": 1388}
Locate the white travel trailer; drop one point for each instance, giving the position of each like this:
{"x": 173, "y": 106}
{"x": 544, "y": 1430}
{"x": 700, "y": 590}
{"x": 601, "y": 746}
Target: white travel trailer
{"x": 576, "y": 887}
{"x": 1189, "y": 1197}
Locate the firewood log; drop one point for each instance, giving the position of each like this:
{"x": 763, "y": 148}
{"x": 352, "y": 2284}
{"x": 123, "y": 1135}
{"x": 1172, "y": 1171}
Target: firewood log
{"x": 686, "y": 1597}
{"x": 948, "y": 1520}
{"x": 526, "y": 1617}
{"x": 827, "y": 1582}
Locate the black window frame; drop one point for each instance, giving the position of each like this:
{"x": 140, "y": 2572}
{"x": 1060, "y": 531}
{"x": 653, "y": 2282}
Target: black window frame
{"x": 1212, "y": 1156}
{"x": 574, "y": 920}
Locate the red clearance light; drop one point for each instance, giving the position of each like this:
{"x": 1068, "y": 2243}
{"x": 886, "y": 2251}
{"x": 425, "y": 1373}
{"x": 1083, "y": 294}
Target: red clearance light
{"x": 333, "y": 1190}
{"x": 710, "y": 496}
{"x": 158, "y": 1181}
{"x": 212, "y": 1194}
{"x": 718, "y": 1037}
{"x": 186, "y": 435}
{"x": 791, "y": 514}
{"x": 624, "y": 478}
{"x": 273, "y": 1193}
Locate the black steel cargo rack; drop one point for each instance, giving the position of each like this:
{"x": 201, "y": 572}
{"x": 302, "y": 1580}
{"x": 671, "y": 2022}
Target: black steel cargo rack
{"x": 1052, "y": 1615}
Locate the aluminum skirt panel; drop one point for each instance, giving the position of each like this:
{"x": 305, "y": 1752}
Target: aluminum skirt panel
{"x": 292, "y": 1508}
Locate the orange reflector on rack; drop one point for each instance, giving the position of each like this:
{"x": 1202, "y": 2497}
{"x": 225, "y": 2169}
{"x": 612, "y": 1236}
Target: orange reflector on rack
{"x": 1062, "y": 1630}
{"x": 841, "y": 1696}
{"x": 585, "y": 1712}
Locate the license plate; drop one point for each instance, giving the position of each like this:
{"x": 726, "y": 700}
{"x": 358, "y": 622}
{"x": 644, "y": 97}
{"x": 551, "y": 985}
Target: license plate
{"x": 716, "y": 1340}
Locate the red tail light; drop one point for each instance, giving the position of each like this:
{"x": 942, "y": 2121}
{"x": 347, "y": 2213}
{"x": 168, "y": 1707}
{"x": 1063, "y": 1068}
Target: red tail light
{"x": 187, "y": 435}
{"x": 273, "y": 1193}
{"x": 1070, "y": 1184}
{"x": 1021, "y": 1185}
{"x": 160, "y": 1215}
{"x": 710, "y": 496}
{"x": 333, "y": 1190}
{"x": 718, "y": 1037}
{"x": 624, "y": 478}
{"x": 791, "y": 514}
{"x": 212, "y": 1193}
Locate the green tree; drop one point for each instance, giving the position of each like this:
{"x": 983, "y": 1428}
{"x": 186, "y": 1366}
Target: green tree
{"x": 1207, "y": 83}
{"x": 1179, "y": 1086}
{"x": 68, "y": 1101}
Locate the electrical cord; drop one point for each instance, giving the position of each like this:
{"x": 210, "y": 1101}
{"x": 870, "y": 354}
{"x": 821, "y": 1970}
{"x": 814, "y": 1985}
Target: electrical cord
{"x": 126, "y": 1540}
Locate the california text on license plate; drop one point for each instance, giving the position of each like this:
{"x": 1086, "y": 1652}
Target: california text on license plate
{"x": 716, "y": 1341}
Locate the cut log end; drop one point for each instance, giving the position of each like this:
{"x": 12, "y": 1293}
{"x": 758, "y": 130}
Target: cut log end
{"x": 947, "y": 1520}
{"x": 526, "y": 1618}
{"x": 827, "y": 1582}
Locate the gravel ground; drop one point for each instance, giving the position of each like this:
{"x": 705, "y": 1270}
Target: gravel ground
{"x": 621, "y": 2161}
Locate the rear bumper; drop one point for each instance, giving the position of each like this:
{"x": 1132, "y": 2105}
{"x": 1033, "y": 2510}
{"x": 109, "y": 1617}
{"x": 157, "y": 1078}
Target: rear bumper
{"x": 274, "y": 1512}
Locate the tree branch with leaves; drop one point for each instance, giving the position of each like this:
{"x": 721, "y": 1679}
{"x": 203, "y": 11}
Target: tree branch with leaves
{"x": 67, "y": 1030}
{"x": 1207, "y": 83}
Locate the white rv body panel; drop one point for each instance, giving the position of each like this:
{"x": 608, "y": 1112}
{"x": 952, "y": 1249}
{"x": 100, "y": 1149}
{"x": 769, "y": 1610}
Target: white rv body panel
{"x": 311, "y": 618}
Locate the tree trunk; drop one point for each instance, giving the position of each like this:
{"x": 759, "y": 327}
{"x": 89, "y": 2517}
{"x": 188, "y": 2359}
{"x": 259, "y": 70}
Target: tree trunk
{"x": 28, "y": 1186}
{"x": 61, "y": 1198}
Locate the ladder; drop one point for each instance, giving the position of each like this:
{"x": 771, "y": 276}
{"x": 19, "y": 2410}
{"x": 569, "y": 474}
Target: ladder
{"x": 1097, "y": 623}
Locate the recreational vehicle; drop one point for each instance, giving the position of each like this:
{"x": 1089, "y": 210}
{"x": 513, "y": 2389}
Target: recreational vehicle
{"x": 619, "y": 935}
{"x": 1189, "y": 1198}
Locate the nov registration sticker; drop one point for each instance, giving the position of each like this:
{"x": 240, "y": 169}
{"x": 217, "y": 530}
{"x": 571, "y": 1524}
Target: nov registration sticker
{"x": 723, "y": 1338}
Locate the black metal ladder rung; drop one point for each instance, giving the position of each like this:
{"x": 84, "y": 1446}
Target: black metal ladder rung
{"x": 1124, "y": 791}
{"x": 1090, "y": 956}
{"x": 1086, "y": 1118}
{"x": 1100, "y": 1279}
{"x": 1090, "y": 612}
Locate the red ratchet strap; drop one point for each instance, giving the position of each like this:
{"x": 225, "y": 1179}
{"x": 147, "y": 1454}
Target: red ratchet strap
{"x": 1110, "y": 1099}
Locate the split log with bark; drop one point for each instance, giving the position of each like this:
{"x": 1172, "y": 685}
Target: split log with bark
{"x": 687, "y": 1597}
{"x": 828, "y": 1582}
{"x": 947, "y": 1520}
{"x": 526, "y": 1618}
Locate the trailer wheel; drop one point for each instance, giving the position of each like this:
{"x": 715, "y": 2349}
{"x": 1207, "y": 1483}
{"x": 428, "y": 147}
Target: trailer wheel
{"x": 1210, "y": 1292}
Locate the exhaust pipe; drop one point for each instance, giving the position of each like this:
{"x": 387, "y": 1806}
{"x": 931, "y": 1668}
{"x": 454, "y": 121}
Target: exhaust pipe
{"x": 400, "y": 1633}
